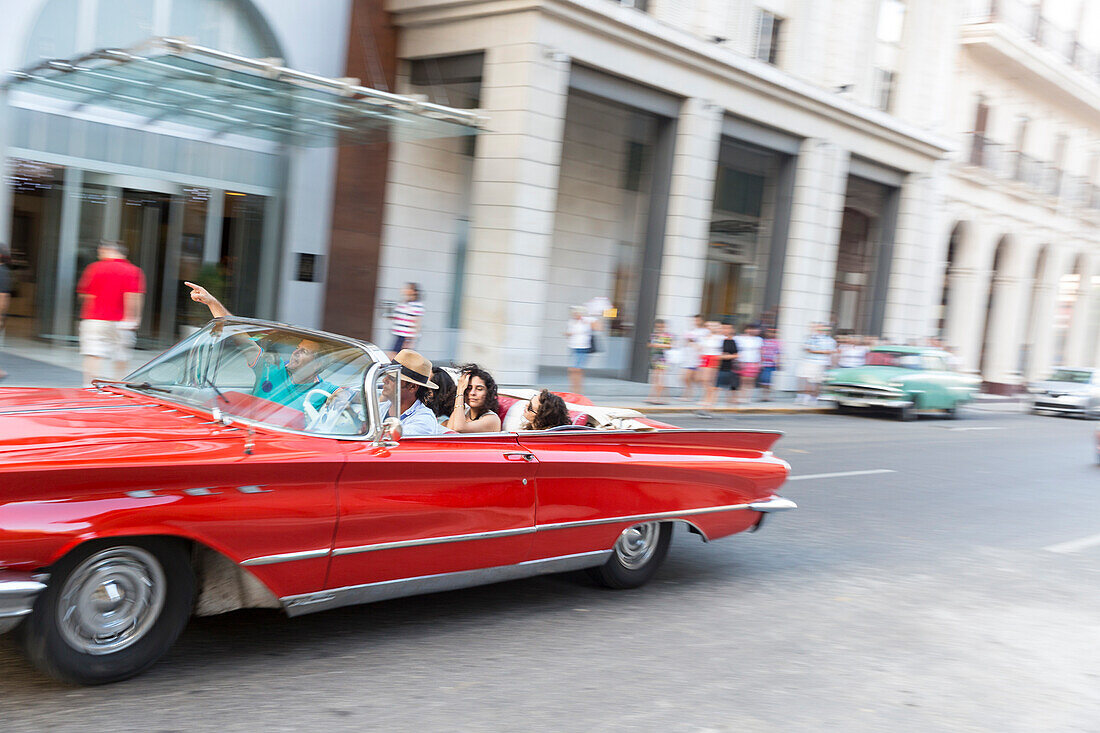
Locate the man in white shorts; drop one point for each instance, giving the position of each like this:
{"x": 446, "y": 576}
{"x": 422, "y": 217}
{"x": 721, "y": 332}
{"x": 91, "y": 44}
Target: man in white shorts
{"x": 112, "y": 292}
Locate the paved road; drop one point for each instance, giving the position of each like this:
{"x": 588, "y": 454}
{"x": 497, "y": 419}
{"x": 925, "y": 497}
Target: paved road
{"x": 921, "y": 599}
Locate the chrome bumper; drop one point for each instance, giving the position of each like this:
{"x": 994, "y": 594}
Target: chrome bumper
{"x": 866, "y": 401}
{"x": 774, "y": 504}
{"x": 17, "y": 594}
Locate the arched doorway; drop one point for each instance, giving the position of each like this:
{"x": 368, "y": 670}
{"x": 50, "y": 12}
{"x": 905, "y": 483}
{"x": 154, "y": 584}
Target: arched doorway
{"x": 945, "y": 285}
{"x": 1033, "y": 323}
{"x": 1066, "y": 313}
{"x": 993, "y": 302}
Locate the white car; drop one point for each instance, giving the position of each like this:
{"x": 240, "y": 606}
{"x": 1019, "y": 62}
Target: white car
{"x": 1073, "y": 391}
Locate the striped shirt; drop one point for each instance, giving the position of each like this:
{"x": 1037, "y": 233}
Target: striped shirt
{"x": 405, "y": 318}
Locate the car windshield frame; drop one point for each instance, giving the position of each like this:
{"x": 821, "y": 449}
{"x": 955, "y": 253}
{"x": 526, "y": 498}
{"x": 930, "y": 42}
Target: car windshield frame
{"x": 198, "y": 387}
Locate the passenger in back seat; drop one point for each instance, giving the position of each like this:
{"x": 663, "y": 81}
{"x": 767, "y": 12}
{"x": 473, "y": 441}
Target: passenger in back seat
{"x": 475, "y": 408}
{"x": 544, "y": 411}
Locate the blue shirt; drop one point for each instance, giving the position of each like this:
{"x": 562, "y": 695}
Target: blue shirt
{"x": 273, "y": 383}
{"x": 420, "y": 420}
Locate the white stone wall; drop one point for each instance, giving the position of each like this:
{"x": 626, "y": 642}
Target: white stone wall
{"x": 596, "y": 219}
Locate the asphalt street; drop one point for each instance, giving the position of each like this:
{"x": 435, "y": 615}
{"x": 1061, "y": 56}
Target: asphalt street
{"x": 946, "y": 581}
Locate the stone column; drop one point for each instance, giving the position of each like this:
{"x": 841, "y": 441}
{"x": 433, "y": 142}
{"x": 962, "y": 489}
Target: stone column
{"x": 1078, "y": 338}
{"x": 66, "y": 252}
{"x": 821, "y": 182}
{"x": 1043, "y": 356}
{"x": 965, "y": 308}
{"x": 920, "y": 248}
{"x": 1006, "y": 330}
{"x": 690, "y": 201}
{"x": 524, "y": 90}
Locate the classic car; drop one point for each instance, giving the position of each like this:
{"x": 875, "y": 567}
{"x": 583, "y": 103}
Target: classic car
{"x": 906, "y": 379}
{"x": 1070, "y": 391}
{"x": 129, "y": 506}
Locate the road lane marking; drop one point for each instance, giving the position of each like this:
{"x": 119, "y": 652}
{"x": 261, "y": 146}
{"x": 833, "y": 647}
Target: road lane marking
{"x": 1074, "y": 545}
{"x": 840, "y": 474}
{"x": 984, "y": 427}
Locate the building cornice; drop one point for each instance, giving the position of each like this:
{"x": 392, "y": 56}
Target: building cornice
{"x": 642, "y": 31}
{"x": 997, "y": 44}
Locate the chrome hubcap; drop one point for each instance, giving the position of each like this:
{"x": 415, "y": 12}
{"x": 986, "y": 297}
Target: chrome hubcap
{"x": 111, "y": 600}
{"x": 637, "y": 544}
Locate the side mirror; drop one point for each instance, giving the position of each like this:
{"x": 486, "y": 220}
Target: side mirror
{"x": 391, "y": 430}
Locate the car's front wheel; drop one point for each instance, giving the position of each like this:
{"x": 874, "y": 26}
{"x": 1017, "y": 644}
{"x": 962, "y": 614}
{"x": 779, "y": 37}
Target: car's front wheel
{"x": 637, "y": 554}
{"x": 110, "y": 610}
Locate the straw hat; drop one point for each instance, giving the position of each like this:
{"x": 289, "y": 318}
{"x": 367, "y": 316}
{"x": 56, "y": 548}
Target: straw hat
{"x": 415, "y": 368}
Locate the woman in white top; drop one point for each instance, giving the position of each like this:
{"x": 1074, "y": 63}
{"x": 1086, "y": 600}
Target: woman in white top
{"x": 578, "y": 334}
{"x": 748, "y": 357}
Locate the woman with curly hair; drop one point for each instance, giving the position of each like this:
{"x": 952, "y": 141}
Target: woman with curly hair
{"x": 546, "y": 410}
{"x": 475, "y": 409}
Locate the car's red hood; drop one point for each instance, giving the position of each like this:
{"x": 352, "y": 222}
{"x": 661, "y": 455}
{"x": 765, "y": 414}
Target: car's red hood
{"x": 33, "y": 419}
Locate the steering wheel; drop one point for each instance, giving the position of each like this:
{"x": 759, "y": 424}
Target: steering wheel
{"x": 312, "y": 413}
{"x": 336, "y": 415}
{"x": 560, "y": 428}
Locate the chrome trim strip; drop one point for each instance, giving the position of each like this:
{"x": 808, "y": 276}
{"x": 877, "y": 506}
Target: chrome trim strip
{"x": 17, "y": 600}
{"x": 388, "y": 589}
{"x": 561, "y": 525}
{"x": 286, "y": 557}
{"x": 644, "y": 517}
{"x": 434, "y": 540}
{"x": 774, "y": 504}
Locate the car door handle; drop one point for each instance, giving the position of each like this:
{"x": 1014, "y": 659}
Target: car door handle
{"x": 519, "y": 456}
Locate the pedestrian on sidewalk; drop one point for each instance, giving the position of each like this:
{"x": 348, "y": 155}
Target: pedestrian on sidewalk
{"x": 660, "y": 341}
{"x": 817, "y": 356}
{"x": 7, "y": 285}
{"x": 771, "y": 352}
{"x": 708, "y": 366}
{"x": 112, "y": 293}
{"x": 729, "y": 376}
{"x": 749, "y": 345}
{"x": 579, "y": 338}
{"x": 692, "y": 356}
{"x": 406, "y": 319}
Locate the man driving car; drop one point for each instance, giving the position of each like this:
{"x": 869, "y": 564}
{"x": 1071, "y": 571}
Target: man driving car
{"x": 284, "y": 382}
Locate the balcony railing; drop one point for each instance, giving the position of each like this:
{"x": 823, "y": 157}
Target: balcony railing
{"x": 1025, "y": 18}
{"x": 1013, "y": 165}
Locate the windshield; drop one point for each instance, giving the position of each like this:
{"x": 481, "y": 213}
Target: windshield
{"x": 266, "y": 374}
{"x": 901, "y": 359}
{"x": 1076, "y": 376}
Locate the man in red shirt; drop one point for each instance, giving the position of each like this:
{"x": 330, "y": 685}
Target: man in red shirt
{"x": 112, "y": 292}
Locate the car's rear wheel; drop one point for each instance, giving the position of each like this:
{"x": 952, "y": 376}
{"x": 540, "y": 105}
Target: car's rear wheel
{"x": 110, "y": 610}
{"x": 637, "y": 554}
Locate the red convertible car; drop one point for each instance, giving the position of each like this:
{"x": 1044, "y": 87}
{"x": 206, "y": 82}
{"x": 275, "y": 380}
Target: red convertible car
{"x": 216, "y": 477}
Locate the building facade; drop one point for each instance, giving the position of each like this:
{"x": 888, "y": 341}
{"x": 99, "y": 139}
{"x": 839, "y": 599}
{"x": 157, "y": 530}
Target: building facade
{"x": 905, "y": 169}
{"x": 250, "y": 218}
{"x": 774, "y": 160}
{"x": 1022, "y": 285}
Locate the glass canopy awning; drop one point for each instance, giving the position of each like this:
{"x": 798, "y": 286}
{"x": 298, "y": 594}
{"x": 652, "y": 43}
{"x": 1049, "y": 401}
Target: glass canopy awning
{"x": 171, "y": 80}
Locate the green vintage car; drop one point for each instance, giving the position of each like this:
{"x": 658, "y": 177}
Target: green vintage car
{"x": 907, "y": 379}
